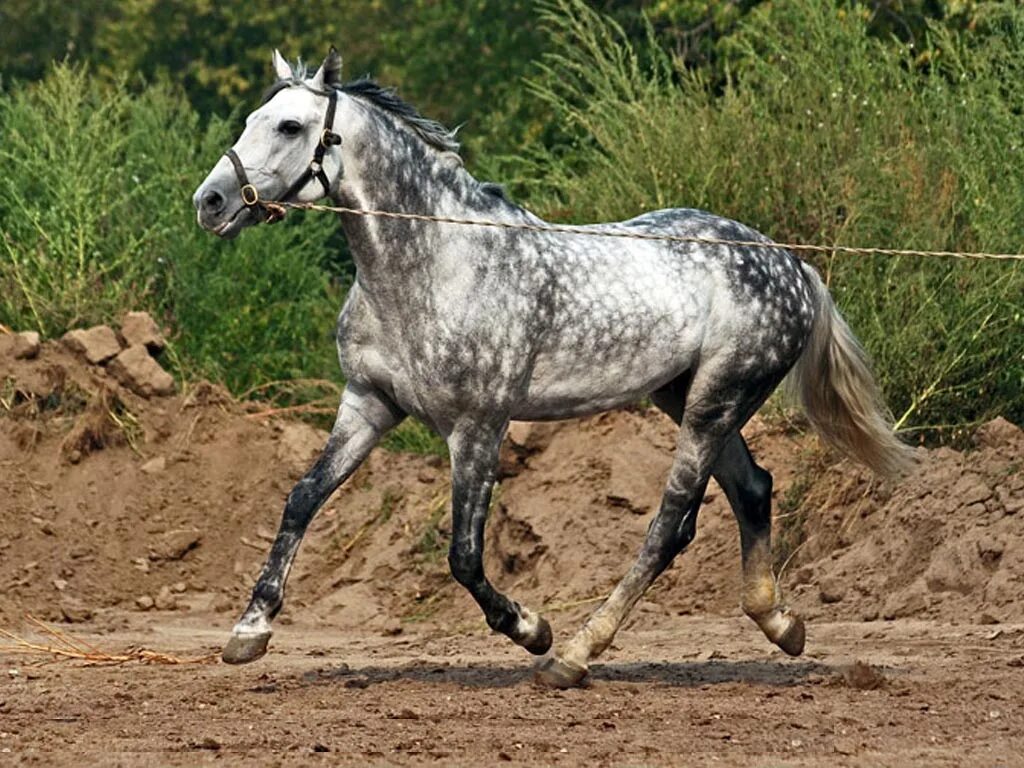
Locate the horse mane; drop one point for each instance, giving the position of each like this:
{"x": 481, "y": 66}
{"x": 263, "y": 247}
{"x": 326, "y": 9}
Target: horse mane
{"x": 431, "y": 131}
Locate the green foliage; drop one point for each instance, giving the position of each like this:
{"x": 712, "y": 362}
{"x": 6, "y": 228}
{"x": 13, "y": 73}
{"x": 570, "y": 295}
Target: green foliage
{"x": 95, "y": 210}
{"x": 841, "y": 139}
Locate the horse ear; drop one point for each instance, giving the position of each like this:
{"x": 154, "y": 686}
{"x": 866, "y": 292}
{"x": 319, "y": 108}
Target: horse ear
{"x": 282, "y": 67}
{"x": 329, "y": 73}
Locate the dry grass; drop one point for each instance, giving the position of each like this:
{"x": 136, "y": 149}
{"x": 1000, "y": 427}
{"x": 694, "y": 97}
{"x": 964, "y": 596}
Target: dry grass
{"x": 57, "y": 645}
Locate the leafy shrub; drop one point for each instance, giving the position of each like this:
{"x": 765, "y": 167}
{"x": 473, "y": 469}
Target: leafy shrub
{"x": 824, "y": 134}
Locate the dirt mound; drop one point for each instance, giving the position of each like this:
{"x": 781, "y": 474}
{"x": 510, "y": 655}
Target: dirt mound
{"x": 114, "y": 502}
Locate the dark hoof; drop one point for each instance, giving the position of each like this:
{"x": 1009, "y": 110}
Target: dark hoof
{"x": 793, "y": 639}
{"x": 540, "y": 643}
{"x": 241, "y": 649}
{"x": 555, "y": 673}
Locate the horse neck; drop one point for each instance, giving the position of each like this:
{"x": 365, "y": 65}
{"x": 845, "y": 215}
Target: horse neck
{"x": 389, "y": 168}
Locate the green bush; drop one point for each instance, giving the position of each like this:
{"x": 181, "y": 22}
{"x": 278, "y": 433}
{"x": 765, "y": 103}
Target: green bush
{"x": 96, "y": 218}
{"x": 824, "y": 134}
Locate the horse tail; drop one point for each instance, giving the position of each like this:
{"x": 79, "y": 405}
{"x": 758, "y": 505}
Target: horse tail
{"x": 833, "y": 381}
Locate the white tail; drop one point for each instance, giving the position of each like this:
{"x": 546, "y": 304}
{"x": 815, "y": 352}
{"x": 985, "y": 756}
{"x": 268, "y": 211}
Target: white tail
{"x": 833, "y": 381}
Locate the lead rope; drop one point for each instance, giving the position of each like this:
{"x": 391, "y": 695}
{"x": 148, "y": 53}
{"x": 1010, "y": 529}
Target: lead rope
{"x": 279, "y": 206}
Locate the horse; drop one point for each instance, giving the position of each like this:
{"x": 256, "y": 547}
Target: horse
{"x": 469, "y": 327}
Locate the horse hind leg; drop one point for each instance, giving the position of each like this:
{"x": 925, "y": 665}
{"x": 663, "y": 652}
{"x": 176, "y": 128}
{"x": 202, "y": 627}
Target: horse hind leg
{"x": 749, "y": 490}
{"x": 701, "y": 434}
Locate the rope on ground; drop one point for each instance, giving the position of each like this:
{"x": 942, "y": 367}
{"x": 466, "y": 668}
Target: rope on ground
{"x": 280, "y": 207}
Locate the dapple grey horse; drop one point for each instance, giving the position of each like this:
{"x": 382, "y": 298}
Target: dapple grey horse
{"x": 468, "y": 327}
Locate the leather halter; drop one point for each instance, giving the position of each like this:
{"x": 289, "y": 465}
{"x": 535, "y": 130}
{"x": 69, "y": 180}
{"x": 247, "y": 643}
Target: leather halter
{"x": 268, "y": 211}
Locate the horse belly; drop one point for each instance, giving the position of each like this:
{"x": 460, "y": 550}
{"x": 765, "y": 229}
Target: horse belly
{"x": 602, "y": 369}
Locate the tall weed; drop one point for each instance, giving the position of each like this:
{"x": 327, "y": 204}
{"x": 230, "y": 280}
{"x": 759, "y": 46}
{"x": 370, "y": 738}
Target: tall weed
{"x": 825, "y": 134}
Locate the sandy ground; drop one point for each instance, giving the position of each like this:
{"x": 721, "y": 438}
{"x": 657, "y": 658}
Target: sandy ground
{"x": 130, "y": 521}
{"x": 686, "y": 691}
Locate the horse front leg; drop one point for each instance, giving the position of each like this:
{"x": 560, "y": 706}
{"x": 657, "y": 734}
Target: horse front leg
{"x": 363, "y": 417}
{"x": 474, "y": 457}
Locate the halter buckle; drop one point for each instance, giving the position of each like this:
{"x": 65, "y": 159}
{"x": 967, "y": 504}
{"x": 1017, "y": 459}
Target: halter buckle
{"x": 249, "y": 195}
{"x": 329, "y": 138}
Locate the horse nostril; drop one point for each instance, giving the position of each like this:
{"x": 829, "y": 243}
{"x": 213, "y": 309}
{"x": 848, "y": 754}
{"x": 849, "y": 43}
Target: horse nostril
{"x": 213, "y": 201}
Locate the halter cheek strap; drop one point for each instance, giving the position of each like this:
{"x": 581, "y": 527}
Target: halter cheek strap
{"x": 267, "y": 211}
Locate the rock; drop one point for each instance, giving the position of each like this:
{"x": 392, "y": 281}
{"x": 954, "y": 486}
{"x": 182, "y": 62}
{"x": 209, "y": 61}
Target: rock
{"x": 60, "y": 584}
{"x": 990, "y": 549}
{"x": 25, "y": 345}
{"x": 98, "y": 344}
{"x": 863, "y": 677}
{"x": 135, "y": 369}
{"x": 391, "y": 627}
{"x": 174, "y": 545}
{"x": 831, "y": 590}
{"x": 531, "y": 436}
{"x": 165, "y": 600}
{"x": 141, "y": 328}
{"x": 154, "y": 466}
{"x": 179, "y": 587}
{"x": 144, "y": 603}
{"x": 74, "y": 611}
{"x": 904, "y": 603}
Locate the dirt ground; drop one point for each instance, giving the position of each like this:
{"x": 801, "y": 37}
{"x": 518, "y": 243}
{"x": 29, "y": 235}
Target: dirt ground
{"x": 135, "y": 522}
{"x": 687, "y": 691}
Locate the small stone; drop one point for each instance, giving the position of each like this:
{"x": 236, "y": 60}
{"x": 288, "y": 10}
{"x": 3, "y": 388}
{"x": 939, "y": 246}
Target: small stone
{"x": 174, "y": 545}
{"x": 165, "y": 600}
{"x": 391, "y": 628}
{"x": 990, "y": 549}
{"x": 145, "y": 602}
{"x": 831, "y": 591}
{"x": 98, "y": 344}
{"x": 178, "y": 587}
{"x": 26, "y": 345}
{"x": 75, "y": 456}
{"x": 863, "y": 677}
{"x": 74, "y": 611}
{"x": 154, "y": 466}
{"x": 207, "y": 743}
{"x": 135, "y": 369}
{"x": 60, "y": 584}
{"x": 987, "y": 619}
{"x": 141, "y": 328}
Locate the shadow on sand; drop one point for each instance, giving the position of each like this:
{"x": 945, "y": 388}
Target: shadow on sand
{"x": 690, "y": 674}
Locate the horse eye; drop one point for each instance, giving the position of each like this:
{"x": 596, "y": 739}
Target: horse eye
{"x": 290, "y": 128}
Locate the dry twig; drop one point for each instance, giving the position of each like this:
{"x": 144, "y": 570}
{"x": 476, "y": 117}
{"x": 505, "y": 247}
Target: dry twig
{"x": 62, "y": 646}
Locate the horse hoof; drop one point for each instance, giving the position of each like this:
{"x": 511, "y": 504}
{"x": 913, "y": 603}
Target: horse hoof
{"x": 540, "y": 642}
{"x": 556, "y": 673}
{"x": 793, "y": 639}
{"x": 241, "y": 649}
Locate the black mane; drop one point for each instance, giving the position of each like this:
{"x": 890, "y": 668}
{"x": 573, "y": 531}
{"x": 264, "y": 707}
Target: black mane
{"x": 431, "y": 131}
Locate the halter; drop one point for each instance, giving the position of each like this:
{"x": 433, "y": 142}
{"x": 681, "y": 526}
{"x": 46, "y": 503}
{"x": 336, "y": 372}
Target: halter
{"x": 269, "y": 212}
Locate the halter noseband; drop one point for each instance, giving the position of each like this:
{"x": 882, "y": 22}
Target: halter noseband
{"x": 267, "y": 211}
